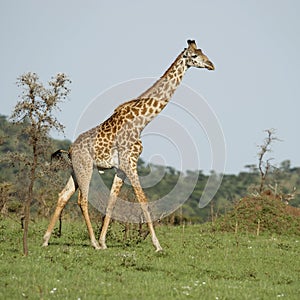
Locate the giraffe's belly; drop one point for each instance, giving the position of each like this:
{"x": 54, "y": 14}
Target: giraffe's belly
{"x": 102, "y": 164}
{"x": 107, "y": 162}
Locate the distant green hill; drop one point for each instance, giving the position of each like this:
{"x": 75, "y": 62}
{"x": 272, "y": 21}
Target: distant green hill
{"x": 233, "y": 187}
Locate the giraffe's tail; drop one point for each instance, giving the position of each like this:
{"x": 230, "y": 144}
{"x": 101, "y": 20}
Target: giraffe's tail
{"x": 62, "y": 157}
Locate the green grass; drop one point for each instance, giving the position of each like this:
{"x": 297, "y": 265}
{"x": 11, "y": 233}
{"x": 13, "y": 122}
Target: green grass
{"x": 195, "y": 264}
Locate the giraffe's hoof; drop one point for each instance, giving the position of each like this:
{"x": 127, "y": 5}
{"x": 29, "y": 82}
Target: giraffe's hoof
{"x": 96, "y": 245}
{"x": 156, "y": 245}
{"x": 102, "y": 244}
{"x": 103, "y": 247}
{"x": 46, "y": 238}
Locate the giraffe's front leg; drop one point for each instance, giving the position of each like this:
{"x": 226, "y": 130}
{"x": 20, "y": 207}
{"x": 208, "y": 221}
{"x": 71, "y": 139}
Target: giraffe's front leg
{"x": 115, "y": 189}
{"x": 154, "y": 238}
{"x": 133, "y": 176}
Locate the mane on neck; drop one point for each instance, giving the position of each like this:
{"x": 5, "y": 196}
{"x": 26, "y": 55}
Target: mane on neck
{"x": 171, "y": 70}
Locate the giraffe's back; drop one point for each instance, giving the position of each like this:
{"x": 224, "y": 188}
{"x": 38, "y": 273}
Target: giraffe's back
{"x": 119, "y": 133}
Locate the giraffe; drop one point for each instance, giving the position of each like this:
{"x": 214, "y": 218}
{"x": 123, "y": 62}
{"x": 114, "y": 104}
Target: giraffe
{"x": 116, "y": 143}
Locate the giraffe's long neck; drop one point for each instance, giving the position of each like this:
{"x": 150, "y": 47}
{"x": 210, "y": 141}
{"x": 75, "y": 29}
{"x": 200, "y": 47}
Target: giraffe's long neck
{"x": 163, "y": 89}
{"x": 150, "y": 103}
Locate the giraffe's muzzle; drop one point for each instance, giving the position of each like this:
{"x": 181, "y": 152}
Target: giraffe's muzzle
{"x": 209, "y": 65}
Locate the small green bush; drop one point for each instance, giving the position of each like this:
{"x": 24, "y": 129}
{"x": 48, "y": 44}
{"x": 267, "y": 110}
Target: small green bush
{"x": 262, "y": 213}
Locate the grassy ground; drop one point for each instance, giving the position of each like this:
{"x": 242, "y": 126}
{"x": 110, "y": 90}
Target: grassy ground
{"x": 195, "y": 264}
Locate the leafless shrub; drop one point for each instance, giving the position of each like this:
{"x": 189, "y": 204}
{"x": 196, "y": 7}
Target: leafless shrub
{"x": 35, "y": 112}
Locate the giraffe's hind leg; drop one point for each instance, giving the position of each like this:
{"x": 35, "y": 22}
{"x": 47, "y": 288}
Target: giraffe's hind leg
{"x": 115, "y": 189}
{"x": 83, "y": 203}
{"x": 63, "y": 198}
{"x": 83, "y": 168}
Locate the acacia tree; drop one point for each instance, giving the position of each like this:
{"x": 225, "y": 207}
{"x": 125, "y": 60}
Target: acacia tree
{"x": 265, "y": 166}
{"x": 35, "y": 112}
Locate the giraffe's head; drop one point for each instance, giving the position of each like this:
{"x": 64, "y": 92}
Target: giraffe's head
{"x": 195, "y": 57}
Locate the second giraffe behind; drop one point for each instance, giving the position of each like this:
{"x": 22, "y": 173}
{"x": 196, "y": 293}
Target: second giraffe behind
{"x": 116, "y": 143}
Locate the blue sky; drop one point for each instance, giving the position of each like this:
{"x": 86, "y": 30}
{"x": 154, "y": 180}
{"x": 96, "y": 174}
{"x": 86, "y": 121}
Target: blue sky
{"x": 99, "y": 44}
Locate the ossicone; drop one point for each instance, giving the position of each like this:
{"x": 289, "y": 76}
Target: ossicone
{"x": 192, "y": 44}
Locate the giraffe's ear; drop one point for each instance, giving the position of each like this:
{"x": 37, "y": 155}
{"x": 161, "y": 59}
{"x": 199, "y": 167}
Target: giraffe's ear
{"x": 192, "y": 44}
